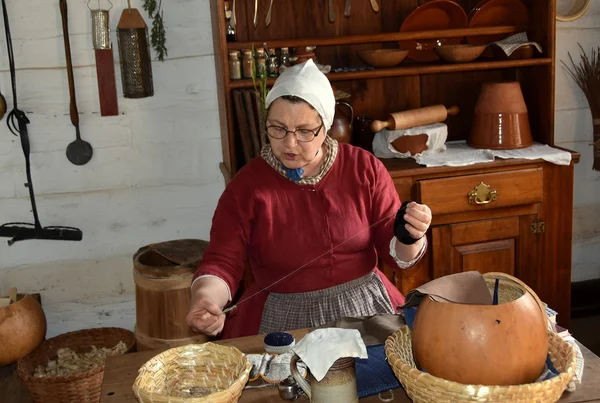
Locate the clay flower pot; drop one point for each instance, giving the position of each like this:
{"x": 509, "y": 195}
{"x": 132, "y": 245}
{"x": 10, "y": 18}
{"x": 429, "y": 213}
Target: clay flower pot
{"x": 501, "y": 119}
{"x": 504, "y": 344}
{"x": 22, "y": 329}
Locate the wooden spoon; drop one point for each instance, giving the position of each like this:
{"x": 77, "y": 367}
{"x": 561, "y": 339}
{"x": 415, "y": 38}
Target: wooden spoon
{"x": 268, "y": 20}
{"x": 374, "y": 5}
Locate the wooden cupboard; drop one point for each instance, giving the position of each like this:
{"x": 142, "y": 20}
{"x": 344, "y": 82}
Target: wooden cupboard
{"x": 523, "y": 227}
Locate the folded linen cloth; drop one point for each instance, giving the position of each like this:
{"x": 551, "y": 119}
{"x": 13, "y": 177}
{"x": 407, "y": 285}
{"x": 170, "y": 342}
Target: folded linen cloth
{"x": 514, "y": 42}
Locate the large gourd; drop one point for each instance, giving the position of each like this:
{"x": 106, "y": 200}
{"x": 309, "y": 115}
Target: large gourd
{"x": 504, "y": 344}
{"x": 22, "y": 328}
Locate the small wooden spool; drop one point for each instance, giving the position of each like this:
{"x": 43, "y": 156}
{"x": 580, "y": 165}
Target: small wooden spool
{"x": 163, "y": 274}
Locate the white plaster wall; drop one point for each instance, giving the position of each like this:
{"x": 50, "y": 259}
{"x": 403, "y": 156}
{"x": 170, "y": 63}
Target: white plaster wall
{"x": 154, "y": 175}
{"x": 573, "y": 130}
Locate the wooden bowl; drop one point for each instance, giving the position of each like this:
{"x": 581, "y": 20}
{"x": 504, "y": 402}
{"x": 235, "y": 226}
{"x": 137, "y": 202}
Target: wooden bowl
{"x": 383, "y": 57}
{"x": 462, "y": 53}
{"x": 523, "y": 52}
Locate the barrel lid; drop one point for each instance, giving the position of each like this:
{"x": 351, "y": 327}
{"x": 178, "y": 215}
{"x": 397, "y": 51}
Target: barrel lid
{"x": 173, "y": 258}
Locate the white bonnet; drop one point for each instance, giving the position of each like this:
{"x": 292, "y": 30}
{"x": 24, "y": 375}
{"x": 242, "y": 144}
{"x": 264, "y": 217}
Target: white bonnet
{"x": 306, "y": 81}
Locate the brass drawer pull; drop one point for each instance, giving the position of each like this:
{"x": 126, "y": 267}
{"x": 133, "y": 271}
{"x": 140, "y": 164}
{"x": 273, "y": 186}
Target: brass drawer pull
{"x": 482, "y": 194}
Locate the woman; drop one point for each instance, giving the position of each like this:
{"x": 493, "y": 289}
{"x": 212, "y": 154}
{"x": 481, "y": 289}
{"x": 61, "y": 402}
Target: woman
{"x": 310, "y": 217}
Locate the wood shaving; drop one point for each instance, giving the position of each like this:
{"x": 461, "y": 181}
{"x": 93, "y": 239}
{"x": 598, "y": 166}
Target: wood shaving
{"x": 69, "y": 362}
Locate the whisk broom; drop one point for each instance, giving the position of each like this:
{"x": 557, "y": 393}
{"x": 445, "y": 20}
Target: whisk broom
{"x": 587, "y": 76}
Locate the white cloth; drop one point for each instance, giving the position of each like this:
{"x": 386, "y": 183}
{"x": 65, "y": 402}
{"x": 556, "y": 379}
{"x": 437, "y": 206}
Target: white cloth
{"x": 514, "y": 42}
{"x": 579, "y": 366}
{"x": 306, "y": 81}
{"x": 437, "y": 133}
{"x": 458, "y": 153}
{"x": 320, "y": 348}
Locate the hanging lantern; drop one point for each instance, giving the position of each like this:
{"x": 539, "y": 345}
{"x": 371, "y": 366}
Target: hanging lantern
{"x": 134, "y": 52}
{"x": 105, "y": 66}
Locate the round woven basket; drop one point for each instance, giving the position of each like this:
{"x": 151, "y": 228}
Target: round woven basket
{"x": 81, "y": 387}
{"x": 194, "y": 373}
{"x": 426, "y": 388}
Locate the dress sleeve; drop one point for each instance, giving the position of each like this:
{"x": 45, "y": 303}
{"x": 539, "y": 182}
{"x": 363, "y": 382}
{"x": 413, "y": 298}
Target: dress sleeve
{"x": 404, "y": 264}
{"x": 385, "y": 205}
{"x": 226, "y": 254}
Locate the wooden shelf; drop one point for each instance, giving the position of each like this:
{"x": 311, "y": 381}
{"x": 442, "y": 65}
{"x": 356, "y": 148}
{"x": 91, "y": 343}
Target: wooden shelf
{"x": 415, "y": 70}
{"x": 373, "y": 38}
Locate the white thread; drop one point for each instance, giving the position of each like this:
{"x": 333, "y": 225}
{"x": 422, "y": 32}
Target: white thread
{"x": 306, "y": 264}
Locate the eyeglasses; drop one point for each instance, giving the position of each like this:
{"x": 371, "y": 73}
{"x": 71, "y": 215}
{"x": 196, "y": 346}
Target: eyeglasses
{"x": 302, "y": 135}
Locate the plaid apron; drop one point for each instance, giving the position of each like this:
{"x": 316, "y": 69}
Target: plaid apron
{"x": 365, "y": 296}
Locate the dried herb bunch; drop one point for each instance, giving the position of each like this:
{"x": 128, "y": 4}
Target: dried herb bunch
{"x": 587, "y": 76}
{"x": 158, "y": 37}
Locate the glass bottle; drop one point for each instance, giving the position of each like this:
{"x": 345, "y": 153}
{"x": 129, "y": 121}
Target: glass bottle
{"x": 248, "y": 64}
{"x": 272, "y": 64}
{"x": 261, "y": 63}
{"x": 235, "y": 66}
{"x": 284, "y": 60}
{"x": 230, "y": 30}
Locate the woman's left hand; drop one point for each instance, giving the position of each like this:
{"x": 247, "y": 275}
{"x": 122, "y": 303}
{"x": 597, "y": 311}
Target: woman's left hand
{"x": 418, "y": 219}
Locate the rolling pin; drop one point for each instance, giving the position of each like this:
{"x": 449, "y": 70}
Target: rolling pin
{"x": 414, "y": 117}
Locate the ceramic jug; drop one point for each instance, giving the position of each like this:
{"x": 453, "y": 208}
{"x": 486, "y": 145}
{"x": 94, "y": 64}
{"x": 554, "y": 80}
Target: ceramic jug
{"x": 338, "y": 385}
{"x": 341, "y": 129}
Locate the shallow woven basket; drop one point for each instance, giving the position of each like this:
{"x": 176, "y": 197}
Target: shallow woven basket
{"x": 81, "y": 387}
{"x": 423, "y": 387}
{"x": 172, "y": 375}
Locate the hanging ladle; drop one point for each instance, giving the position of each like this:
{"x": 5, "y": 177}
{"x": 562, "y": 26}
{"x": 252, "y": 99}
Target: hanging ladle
{"x": 79, "y": 152}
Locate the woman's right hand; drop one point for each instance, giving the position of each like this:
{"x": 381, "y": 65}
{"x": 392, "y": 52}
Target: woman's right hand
{"x": 205, "y": 316}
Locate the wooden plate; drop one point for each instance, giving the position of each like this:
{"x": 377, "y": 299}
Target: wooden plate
{"x": 495, "y": 13}
{"x": 477, "y": 7}
{"x": 433, "y": 15}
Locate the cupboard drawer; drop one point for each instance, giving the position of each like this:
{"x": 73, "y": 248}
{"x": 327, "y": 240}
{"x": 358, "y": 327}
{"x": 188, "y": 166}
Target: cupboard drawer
{"x": 484, "y": 191}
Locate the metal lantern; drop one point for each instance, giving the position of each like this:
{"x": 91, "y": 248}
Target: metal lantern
{"x": 134, "y": 52}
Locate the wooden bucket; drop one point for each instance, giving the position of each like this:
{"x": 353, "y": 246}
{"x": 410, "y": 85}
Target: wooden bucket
{"x": 163, "y": 273}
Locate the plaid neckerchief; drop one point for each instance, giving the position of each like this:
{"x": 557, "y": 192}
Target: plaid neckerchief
{"x": 331, "y": 149}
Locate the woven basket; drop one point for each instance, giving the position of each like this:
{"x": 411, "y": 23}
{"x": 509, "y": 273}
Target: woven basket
{"x": 426, "y": 388}
{"x": 177, "y": 374}
{"x": 81, "y": 387}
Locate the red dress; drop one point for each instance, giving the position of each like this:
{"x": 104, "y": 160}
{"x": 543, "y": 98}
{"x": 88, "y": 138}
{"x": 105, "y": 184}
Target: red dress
{"x": 278, "y": 226}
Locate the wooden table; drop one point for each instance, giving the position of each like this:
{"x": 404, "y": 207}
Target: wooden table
{"x": 120, "y": 373}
